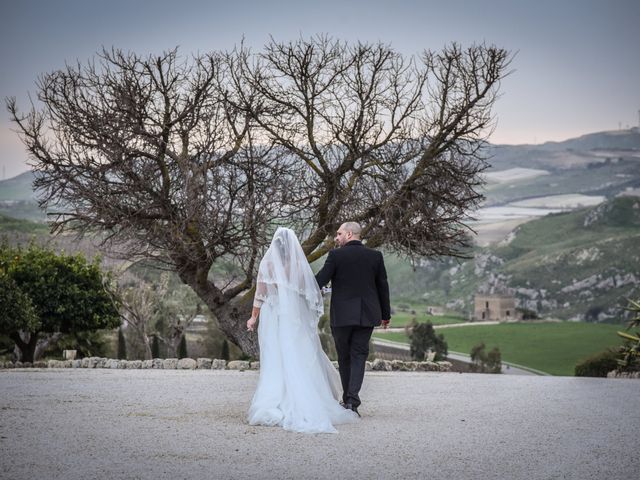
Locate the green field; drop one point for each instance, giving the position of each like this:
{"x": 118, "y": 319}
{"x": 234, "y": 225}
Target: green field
{"x": 400, "y": 319}
{"x": 554, "y": 348}
{"x": 10, "y": 224}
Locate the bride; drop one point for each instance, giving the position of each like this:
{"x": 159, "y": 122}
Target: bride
{"x": 298, "y": 387}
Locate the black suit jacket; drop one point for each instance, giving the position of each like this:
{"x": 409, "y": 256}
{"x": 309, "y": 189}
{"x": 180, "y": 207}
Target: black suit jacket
{"x": 359, "y": 287}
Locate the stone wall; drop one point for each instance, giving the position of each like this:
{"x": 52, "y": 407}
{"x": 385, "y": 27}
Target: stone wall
{"x": 617, "y": 374}
{"x": 213, "y": 364}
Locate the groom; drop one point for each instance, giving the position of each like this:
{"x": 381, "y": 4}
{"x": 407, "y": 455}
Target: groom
{"x": 359, "y": 302}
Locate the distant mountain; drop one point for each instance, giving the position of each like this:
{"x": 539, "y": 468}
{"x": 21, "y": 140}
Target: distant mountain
{"x": 612, "y": 140}
{"x": 605, "y": 163}
{"x": 566, "y": 160}
{"x": 18, "y": 188}
{"x": 17, "y": 199}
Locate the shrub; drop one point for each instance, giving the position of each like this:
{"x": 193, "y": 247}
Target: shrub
{"x": 483, "y": 362}
{"x": 424, "y": 338}
{"x": 630, "y": 350}
{"x": 597, "y": 365}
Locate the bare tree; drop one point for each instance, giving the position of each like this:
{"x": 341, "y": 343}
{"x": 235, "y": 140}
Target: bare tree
{"x": 142, "y": 304}
{"x": 395, "y": 144}
{"x": 137, "y": 309}
{"x": 193, "y": 163}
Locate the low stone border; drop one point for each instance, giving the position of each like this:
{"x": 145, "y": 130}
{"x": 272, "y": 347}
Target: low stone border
{"x": 213, "y": 364}
{"x": 617, "y": 374}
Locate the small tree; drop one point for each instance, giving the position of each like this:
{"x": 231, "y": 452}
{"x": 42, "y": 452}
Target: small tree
{"x": 153, "y": 310}
{"x": 225, "y": 350}
{"x": 483, "y": 362}
{"x": 494, "y": 361}
{"x": 182, "y": 347}
{"x": 67, "y": 295}
{"x": 122, "y": 345}
{"x": 155, "y": 347}
{"x": 16, "y": 310}
{"x": 424, "y": 339}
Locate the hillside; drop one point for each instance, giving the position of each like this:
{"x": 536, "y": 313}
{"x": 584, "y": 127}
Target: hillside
{"x": 10, "y": 225}
{"x": 604, "y": 163}
{"x": 17, "y": 199}
{"x": 17, "y": 188}
{"x": 577, "y": 265}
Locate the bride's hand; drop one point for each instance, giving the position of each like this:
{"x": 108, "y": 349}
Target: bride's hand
{"x": 251, "y": 324}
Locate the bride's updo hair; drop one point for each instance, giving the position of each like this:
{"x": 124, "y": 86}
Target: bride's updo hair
{"x": 280, "y": 243}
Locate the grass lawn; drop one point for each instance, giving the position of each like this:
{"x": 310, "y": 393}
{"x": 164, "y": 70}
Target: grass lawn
{"x": 400, "y": 319}
{"x": 554, "y": 348}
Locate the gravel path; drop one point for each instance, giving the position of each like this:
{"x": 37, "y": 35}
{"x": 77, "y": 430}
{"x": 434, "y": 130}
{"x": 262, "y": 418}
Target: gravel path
{"x": 148, "y": 424}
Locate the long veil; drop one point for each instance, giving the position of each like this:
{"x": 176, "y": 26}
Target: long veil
{"x": 285, "y": 276}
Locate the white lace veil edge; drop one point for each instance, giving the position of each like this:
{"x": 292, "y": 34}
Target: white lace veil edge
{"x": 284, "y": 267}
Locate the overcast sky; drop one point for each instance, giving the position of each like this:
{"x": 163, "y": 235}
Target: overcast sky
{"x": 577, "y": 69}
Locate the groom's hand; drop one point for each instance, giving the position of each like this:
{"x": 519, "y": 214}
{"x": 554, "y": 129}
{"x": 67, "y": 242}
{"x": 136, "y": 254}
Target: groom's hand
{"x": 385, "y": 324}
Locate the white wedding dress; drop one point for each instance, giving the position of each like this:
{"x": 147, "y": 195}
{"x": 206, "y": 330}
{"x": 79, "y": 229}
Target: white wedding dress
{"x": 298, "y": 387}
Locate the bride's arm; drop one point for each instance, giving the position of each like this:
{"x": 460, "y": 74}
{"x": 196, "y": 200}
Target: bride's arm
{"x": 258, "y": 300}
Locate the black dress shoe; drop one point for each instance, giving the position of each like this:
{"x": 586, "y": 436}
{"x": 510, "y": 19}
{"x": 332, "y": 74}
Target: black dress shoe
{"x": 350, "y": 406}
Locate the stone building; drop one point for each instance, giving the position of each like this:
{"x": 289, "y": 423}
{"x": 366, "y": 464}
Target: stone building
{"x": 495, "y": 307}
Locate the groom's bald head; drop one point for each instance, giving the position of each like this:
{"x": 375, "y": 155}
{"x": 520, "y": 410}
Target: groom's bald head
{"x": 352, "y": 227}
{"x": 348, "y": 231}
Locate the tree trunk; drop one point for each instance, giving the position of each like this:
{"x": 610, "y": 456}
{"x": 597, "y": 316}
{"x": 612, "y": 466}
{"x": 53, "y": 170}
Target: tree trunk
{"x": 232, "y": 314}
{"x": 147, "y": 346}
{"x": 26, "y": 345}
{"x": 232, "y": 319}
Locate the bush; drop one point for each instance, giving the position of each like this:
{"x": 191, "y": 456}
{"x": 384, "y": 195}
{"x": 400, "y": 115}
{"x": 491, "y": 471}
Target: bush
{"x": 483, "y": 362}
{"x": 630, "y": 351}
{"x": 423, "y": 339}
{"x": 597, "y": 365}
{"x": 44, "y": 295}
{"x": 528, "y": 314}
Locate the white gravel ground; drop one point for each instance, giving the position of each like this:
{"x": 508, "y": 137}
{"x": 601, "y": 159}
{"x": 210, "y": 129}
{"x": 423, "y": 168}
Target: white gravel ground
{"x": 157, "y": 424}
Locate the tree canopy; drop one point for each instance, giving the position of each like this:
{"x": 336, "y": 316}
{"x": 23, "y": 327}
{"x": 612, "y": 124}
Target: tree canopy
{"x": 53, "y": 294}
